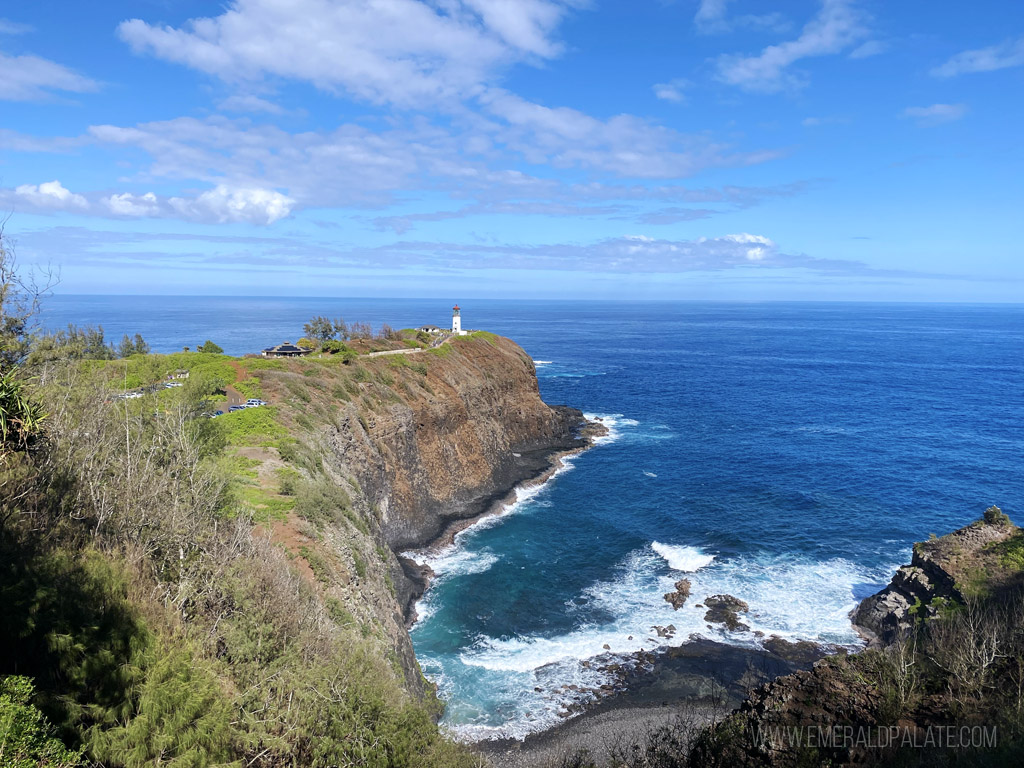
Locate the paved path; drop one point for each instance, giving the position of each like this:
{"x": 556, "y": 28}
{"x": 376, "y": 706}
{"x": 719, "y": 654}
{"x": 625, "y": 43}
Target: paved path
{"x": 433, "y": 345}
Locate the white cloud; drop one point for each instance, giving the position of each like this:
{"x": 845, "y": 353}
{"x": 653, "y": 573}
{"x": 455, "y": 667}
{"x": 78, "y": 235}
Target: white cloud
{"x": 30, "y": 78}
{"x": 869, "y": 49}
{"x": 936, "y": 113}
{"x": 221, "y": 204}
{"x": 406, "y": 52}
{"x": 629, "y": 254}
{"x": 8, "y": 27}
{"x": 248, "y": 104}
{"x": 814, "y": 122}
{"x": 837, "y": 26}
{"x": 127, "y": 204}
{"x": 710, "y": 15}
{"x": 624, "y": 144}
{"x": 672, "y": 90}
{"x": 50, "y": 196}
{"x": 711, "y": 18}
{"x": 224, "y": 204}
{"x": 1007, "y": 54}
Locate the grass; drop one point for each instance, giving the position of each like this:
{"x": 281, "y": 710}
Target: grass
{"x": 241, "y": 466}
{"x": 253, "y": 426}
{"x": 266, "y": 506}
{"x": 317, "y": 563}
{"x": 250, "y": 387}
{"x": 486, "y": 335}
{"x": 360, "y": 564}
{"x": 263, "y": 364}
{"x": 1011, "y": 552}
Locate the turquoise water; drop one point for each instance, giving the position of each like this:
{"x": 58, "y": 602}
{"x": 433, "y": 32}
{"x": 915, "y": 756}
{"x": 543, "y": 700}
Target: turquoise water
{"x": 787, "y": 454}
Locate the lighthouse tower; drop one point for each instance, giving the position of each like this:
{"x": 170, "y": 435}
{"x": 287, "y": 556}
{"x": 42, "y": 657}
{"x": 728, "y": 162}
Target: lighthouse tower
{"x": 456, "y": 321}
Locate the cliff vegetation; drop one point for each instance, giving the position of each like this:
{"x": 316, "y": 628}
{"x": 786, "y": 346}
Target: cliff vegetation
{"x": 181, "y": 590}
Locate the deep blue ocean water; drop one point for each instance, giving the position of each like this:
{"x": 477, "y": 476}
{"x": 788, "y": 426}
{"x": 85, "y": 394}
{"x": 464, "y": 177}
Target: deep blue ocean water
{"x": 787, "y": 454}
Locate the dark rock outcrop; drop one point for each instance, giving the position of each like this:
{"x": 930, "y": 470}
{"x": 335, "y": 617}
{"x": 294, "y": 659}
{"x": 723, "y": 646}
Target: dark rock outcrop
{"x": 938, "y": 573}
{"x": 678, "y": 598}
{"x": 725, "y": 609}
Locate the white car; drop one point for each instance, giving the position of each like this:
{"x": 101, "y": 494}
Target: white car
{"x": 254, "y": 402}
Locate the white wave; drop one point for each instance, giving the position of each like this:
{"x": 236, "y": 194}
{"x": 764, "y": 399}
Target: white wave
{"x": 792, "y": 597}
{"x": 613, "y": 423}
{"x": 683, "y": 558}
{"x": 649, "y": 474}
{"x": 543, "y": 362}
{"x": 457, "y": 561}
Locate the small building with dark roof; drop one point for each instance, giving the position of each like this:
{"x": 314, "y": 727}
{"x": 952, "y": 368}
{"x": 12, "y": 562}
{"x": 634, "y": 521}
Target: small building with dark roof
{"x": 286, "y": 350}
{"x": 429, "y": 329}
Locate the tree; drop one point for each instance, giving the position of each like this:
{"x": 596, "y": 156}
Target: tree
{"x": 19, "y": 305}
{"x": 308, "y": 343}
{"x": 26, "y": 736}
{"x": 74, "y": 343}
{"x": 130, "y": 346}
{"x": 210, "y": 348}
{"x": 319, "y": 328}
{"x": 340, "y": 329}
{"x": 360, "y": 331}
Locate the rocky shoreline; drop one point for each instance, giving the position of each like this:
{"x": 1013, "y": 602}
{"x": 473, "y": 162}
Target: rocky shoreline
{"x": 690, "y": 685}
{"x": 535, "y": 468}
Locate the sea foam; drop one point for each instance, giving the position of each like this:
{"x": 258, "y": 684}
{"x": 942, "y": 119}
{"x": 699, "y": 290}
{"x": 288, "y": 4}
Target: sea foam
{"x": 795, "y": 598}
{"x": 683, "y": 558}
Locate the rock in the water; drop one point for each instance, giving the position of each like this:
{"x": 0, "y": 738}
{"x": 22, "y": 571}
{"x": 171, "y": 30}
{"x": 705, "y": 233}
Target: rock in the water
{"x": 724, "y": 609}
{"x": 678, "y": 598}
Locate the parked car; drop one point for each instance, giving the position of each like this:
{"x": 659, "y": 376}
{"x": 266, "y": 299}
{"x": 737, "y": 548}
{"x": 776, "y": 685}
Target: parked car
{"x": 233, "y": 408}
{"x": 255, "y": 401}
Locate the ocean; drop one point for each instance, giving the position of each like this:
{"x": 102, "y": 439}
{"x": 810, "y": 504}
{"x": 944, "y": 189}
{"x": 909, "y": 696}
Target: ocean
{"x": 786, "y": 454}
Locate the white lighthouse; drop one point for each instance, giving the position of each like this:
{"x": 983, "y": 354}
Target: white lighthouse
{"x": 457, "y": 321}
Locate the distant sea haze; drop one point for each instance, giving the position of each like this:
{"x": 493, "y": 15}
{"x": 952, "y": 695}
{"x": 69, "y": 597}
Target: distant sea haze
{"x": 786, "y": 454}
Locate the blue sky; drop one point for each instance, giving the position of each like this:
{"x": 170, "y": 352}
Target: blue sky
{"x": 691, "y": 149}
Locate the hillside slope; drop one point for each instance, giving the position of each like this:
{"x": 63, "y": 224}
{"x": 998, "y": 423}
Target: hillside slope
{"x": 214, "y": 590}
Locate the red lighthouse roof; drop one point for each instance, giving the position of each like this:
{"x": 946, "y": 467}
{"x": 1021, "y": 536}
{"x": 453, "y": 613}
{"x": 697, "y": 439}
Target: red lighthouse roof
{"x": 456, "y": 307}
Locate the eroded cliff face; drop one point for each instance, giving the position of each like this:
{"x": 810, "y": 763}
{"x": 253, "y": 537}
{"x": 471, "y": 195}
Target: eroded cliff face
{"x": 450, "y": 450}
{"x": 405, "y": 446}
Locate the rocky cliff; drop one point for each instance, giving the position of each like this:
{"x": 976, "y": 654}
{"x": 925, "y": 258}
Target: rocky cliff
{"x": 940, "y": 572}
{"x": 945, "y": 651}
{"x": 406, "y": 446}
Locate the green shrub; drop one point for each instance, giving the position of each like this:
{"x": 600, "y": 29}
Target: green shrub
{"x": 263, "y": 364}
{"x": 26, "y": 736}
{"x": 360, "y": 564}
{"x": 252, "y": 426}
{"x": 288, "y": 480}
{"x": 317, "y": 563}
{"x": 320, "y": 501}
{"x": 339, "y": 615}
{"x": 995, "y": 516}
{"x": 250, "y": 387}
{"x": 181, "y": 717}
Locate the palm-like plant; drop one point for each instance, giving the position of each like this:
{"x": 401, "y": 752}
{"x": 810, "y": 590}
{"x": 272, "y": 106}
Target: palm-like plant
{"x": 21, "y": 417}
